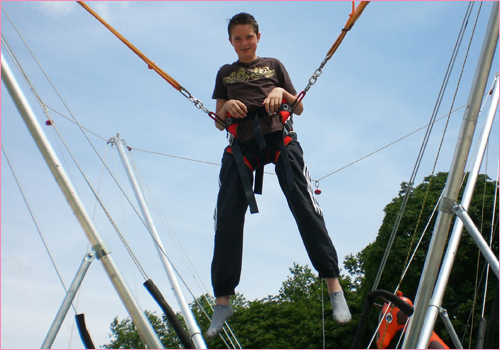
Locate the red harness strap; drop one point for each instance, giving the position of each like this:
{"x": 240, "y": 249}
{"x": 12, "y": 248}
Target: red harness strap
{"x": 272, "y": 155}
{"x": 257, "y": 162}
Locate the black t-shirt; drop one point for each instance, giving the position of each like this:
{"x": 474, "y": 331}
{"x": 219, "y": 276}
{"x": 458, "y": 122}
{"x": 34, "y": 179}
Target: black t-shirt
{"x": 250, "y": 84}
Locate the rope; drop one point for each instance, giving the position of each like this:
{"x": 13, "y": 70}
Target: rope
{"x": 96, "y": 195}
{"x": 36, "y": 225}
{"x": 424, "y": 145}
{"x": 121, "y": 237}
{"x": 353, "y": 17}
{"x": 442, "y": 140}
{"x": 192, "y": 269}
{"x": 493, "y": 220}
{"x": 151, "y": 65}
{"x": 386, "y": 146}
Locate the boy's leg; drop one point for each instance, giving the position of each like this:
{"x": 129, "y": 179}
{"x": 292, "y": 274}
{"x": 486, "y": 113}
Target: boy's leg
{"x": 229, "y": 219}
{"x": 308, "y": 214}
{"x": 312, "y": 228}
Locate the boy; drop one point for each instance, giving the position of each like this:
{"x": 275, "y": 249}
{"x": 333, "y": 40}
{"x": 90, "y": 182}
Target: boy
{"x": 251, "y": 91}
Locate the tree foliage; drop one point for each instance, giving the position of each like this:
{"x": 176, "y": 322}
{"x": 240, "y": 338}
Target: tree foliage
{"x": 293, "y": 318}
{"x": 467, "y": 279}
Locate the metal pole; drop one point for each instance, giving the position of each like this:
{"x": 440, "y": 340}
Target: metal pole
{"x": 194, "y": 330}
{"x": 477, "y": 237}
{"x": 453, "y": 184}
{"x": 449, "y": 326}
{"x": 451, "y": 251}
{"x": 68, "y": 300}
{"x": 98, "y": 245}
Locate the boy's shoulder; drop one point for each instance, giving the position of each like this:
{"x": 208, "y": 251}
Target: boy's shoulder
{"x": 259, "y": 61}
{"x": 268, "y": 60}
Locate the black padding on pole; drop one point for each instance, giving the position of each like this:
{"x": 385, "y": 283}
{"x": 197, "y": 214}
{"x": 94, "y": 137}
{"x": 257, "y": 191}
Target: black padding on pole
{"x": 370, "y": 300}
{"x": 172, "y": 318}
{"x": 84, "y": 333}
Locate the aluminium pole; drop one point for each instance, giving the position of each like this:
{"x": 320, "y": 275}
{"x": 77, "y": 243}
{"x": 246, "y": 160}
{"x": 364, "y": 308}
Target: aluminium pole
{"x": 449, "y": 258}
{"x": 194, "y": 330}
{"x": 68, "y": 300}
{"x": 98, "y": 245}
{"x": 488, "y": 254}
{"x": 453, "y": 183}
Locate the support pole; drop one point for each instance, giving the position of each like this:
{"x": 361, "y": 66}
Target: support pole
{"x": 449, "y": 327}
{"x": 453, "y": 184}
{"x": 477, "y": 237}
{"x": 456, "y": 235}
{"x": 194, "y": 330}
{"x": 98, "y": 245}
{"x": 68, "y": 300}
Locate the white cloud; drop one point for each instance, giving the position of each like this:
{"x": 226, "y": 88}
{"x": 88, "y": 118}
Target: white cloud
{"x": 57, "y": 8}
{"x": 108, "y": 10}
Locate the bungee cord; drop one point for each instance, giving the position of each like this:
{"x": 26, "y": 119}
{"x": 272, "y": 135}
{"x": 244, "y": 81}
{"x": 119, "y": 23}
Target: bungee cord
{"x": 353, "y": 17}
{"x": 151, "y": 65}
{"x": 174, "y": 84}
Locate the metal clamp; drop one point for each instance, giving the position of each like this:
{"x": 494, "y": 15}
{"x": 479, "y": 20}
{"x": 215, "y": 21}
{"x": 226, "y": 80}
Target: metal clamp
{"x": 101, "y": 249}
{"x": 447, "y": 205}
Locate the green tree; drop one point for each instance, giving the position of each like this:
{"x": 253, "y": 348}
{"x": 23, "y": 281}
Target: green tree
{"x": 467, "y": 277}
{"x": 293, "y": 317}
{"x": 290, "y": 319}
{"x": 125, "y": 335}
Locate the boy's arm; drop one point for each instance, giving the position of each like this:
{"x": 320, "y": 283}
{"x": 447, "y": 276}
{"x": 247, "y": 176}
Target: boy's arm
{"x": 276, "y": 96}
{"x": 234, "y": 107}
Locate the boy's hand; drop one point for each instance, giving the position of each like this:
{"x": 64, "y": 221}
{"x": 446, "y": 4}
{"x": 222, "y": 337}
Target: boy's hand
{"x": 273, "y": 101}
{"x": 236, "y": 108}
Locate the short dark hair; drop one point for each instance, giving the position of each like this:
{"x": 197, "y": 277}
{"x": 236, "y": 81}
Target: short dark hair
{"x": 242, "y": 18}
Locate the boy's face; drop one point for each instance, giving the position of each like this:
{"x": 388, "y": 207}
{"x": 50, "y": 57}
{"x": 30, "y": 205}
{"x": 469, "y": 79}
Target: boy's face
{"x": 244, "y": 41}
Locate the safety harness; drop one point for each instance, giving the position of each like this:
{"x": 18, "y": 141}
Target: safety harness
{"x": 267, "y": 153}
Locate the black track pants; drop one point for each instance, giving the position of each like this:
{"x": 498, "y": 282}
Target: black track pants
{"x": 230, "y": 217}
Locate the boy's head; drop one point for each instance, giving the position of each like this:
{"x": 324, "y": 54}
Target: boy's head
{"x": 244, "y": 36}
{"x": 242, "y": 18}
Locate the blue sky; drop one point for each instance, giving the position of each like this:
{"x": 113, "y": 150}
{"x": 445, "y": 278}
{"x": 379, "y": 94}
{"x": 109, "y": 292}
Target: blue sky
{"x": 381, "y": 85}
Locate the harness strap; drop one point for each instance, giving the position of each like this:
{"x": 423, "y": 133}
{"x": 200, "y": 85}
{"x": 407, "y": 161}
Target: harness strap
{"x": 286, "y": 162}
{"x": 257, "y": 131}
{"x": 259, "y": 180}
{"x": 259, "y": 137}
{"x": 245, "y": 178}
{"x": 253, "y": 162}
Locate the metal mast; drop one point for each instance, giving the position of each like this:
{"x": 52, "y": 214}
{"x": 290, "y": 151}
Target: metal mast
{"x": 449, "y": 258}
{"x": 98, "y": 245}
{"x": 453, "y": 184}
{"x": 194, "y": 330}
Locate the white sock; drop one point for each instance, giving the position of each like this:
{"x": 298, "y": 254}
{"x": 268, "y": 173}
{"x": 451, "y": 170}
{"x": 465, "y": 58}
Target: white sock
{"x": 341, "y": 313}
{"x": 222, "y": 313}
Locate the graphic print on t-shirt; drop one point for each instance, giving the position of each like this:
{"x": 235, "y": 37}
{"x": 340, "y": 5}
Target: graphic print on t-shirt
{"x": 245, "y": 74}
